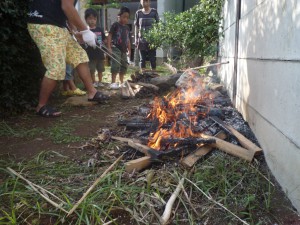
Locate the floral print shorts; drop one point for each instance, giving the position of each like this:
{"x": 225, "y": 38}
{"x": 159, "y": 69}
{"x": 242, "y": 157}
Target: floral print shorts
{"x": 57, "y": 47}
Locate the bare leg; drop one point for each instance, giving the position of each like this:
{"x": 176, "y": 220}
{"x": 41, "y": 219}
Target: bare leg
{"x": 113, "y": 77}
{"x": 84, "y": 74}
{"x": 121, "y": 77}
{"x": 72, "y": 85}
{"x": 66, "y": 85}
{"x": 47, "y": 87}
{"x": 100, "y": 76}
{"x": 93, "y": 76}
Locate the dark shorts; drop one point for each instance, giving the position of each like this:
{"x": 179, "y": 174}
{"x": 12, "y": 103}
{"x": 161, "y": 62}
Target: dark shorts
{"x": 122, "y": 59}
{"x": 96, "y": 64}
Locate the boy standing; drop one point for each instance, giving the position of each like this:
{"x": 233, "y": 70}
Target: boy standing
{"x": 144, "y": 19}
{"x": 118, "y": 42}
{"x": 96, "y": 56}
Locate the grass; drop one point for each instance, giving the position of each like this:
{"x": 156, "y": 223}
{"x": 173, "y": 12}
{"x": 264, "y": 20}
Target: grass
{"x": 220, "y": 180}
{"x": 60, "y": 132}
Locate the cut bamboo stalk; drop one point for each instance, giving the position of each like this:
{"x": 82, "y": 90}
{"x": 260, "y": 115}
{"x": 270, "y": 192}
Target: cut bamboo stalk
{"x": 94, "y": 185}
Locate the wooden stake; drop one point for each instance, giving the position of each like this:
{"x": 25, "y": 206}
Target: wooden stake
{"x": 246, "y": 143}
{"x": 94, "y": 185}
{"x": 232, "y": 149}
{"x": 138, "y": 164}
{"x": 192, "y": 158}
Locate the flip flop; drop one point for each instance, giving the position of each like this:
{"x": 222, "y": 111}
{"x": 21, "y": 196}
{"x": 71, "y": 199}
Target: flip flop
{"x": 48, "y": 112}
{"x": 99, "y": 97}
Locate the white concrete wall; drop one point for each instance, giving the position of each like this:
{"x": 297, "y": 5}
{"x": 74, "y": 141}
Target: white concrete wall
{"x": 268, "y": 81}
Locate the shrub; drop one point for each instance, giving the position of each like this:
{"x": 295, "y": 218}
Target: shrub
{"x": 21, "y": 66}
{"x": 195, "y": 32}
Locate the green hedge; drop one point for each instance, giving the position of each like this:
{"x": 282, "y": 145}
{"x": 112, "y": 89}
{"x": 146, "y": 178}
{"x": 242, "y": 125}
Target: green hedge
{"x": 20, "y": 62}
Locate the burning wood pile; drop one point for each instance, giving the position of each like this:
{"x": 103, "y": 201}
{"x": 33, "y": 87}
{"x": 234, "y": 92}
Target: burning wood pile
{"x": 186, "y": 125}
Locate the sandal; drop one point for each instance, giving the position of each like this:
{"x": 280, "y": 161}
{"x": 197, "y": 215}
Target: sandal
{"x": 99, "y": 97}
{"x": 78, "y": 92}
{"x": 47, "y": 111}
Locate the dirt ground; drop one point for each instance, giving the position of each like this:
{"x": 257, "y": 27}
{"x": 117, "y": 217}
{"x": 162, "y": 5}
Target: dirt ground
{"x": 86, "y": 121}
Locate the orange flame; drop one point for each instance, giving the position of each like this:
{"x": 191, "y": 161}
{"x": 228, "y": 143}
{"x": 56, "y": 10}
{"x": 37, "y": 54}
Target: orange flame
{"x": 175, "y": 108}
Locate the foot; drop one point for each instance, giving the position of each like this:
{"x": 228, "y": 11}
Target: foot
{"x": 114, "y": 86}
{"x": 48, "y": 112}
{"x": 99, "y": 97}
{"x": 96, "y": 84}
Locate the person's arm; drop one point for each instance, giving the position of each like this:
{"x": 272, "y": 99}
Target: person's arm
{"x": 129, "y": 48}
{"x": 73, "y": 17}
{"x": 104, "y": 39}
{"x": 72, "y": 14}
{"x": 109, "y": 37}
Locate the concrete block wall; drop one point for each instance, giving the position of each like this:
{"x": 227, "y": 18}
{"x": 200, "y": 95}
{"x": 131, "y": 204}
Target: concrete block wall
{"x": 268, "y": 80}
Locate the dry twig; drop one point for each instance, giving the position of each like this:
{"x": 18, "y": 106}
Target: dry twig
{"x": 94, "y": 185}
{"x": 35, "y": 187}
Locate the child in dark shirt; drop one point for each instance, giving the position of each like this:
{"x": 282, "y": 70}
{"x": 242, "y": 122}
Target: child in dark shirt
{"x": 118, "y": 43}
{"x": 144, "y": 19}
{"x": 96, "y": 55}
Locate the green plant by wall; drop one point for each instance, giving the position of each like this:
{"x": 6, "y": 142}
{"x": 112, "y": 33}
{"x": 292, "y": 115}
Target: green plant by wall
{"x": 21, "y": 66}
{"x": 106, "y": 5}
{"x": 195, "y": 31}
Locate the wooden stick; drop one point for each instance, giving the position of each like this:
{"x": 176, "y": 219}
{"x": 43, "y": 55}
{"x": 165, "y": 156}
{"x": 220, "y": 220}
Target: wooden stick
{"x": 138, "y": 164}
{"x": 246, "y": 143}
{"x": 94, "y": 185}
{"x": 167, "y": 212}
{"x": 137, "y": 146}
{"x": 129, "y": 88}
{"x": 232, "y": 149}
{"x": 170, "y": 67}
{"x": 151, "y": 86}
{"x": 33, "y": 186}
{"x": 122, "y": 139}
{"x": 214, "y": 64}
{"x": 192, "y": 158}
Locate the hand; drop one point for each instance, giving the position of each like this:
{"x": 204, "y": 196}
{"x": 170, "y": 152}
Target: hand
{"x": 89, "y": 37}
